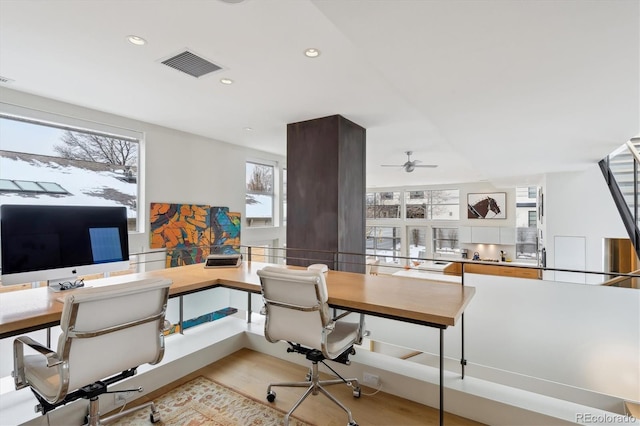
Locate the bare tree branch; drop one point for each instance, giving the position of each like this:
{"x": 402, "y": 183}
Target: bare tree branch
{"x": 97, "y": 148}
{"x": 261, "y": 179}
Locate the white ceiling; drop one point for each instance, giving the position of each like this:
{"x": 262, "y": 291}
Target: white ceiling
{"x": 494, "y": 90}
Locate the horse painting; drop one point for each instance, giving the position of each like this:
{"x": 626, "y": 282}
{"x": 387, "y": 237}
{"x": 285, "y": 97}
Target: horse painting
{"x": 485, "y": 208}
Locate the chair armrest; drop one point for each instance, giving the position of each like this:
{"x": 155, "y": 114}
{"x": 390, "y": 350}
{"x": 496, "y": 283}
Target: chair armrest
{"x": 361, "y": 329}
{"x": 52, "y": 356}
{"x": 18, "y": 358}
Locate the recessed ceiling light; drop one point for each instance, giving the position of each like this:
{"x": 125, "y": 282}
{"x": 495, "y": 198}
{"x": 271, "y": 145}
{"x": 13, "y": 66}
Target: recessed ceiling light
{"x": 312, "y": 53}
{"x": 138, "y": 41}
{"x": 226, "y": 81}
{"x": 248, "y": 129}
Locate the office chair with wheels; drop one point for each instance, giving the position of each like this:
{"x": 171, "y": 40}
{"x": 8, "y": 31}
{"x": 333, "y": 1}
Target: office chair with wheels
{"x": 107, "y": 332}
{"x": 297, "y": 312}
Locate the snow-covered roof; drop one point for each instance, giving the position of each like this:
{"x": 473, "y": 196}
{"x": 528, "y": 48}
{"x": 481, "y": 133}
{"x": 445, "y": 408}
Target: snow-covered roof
{"x": 98, "y": 185}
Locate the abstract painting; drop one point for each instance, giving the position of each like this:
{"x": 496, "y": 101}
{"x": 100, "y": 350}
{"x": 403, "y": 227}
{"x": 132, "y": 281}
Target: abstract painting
{"x": 490, "y": 205}
{"x": 225, "y": 227}
{"x": 184, "y": 229}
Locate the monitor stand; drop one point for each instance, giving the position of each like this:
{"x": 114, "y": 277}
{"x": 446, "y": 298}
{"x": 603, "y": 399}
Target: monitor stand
{"x": 62, "y": 284}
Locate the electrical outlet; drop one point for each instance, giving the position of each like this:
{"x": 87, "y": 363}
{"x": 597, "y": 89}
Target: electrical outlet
{"x": 370, "y": 380}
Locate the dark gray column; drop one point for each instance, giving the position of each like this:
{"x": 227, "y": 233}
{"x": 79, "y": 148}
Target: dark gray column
{"x": 326, "y": 192}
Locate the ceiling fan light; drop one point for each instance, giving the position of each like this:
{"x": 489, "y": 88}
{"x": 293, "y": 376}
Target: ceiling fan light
{"x": 409, "y": 166}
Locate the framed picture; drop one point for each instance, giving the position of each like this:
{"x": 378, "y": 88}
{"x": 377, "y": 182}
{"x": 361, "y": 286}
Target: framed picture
{"x": 489, "y": 205}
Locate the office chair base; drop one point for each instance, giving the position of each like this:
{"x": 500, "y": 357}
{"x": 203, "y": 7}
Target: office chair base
{"x": 94, "y": 419}
{"x": 315, "y": 386}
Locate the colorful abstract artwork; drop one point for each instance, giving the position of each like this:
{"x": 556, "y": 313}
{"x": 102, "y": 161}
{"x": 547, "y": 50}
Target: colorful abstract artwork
{"x": 184, "y": 229}
{"x": 225, "y": 227}
{"x": 211, "y": 316}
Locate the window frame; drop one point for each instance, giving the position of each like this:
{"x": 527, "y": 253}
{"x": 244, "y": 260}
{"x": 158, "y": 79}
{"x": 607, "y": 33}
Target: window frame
{"x": 532, "y": 231}
{"x": 376, "y": 201}
{"x": 375, "y": 251}
{"x": 74, "y": 124}
{"x": 271, "y": 193}
{"x": 428, "y": 205}
{"x": 438, "y": 250}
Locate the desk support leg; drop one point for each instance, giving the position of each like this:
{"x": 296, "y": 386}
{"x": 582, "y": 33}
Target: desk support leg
{"x": 441, "y": 376}
{"x": 248, "y": 308}
{"x": 48, "y": 337}
{"x": 181, "y": 319}
{"x": 463, "y": 360}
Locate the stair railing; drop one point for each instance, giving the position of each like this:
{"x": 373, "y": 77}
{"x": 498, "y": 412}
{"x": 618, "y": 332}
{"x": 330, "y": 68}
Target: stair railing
{"x": 628, "y": 213}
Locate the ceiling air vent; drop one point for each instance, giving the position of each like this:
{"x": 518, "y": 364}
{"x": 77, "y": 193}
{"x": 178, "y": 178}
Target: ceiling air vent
{"x": 191, "y": 64}
{"x": 4, "y": 80}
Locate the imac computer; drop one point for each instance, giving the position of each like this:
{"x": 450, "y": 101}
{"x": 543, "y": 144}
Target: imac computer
{"x": 58, "y": 244}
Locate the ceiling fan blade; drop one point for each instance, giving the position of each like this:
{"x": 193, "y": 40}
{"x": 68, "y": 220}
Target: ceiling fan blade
{"x": 426, "y": 165}
{"x": 391, "y": 165}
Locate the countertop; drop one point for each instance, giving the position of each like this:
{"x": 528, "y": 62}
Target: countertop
{"x": 438, "y": 266}
{"x": 425, "y": 275}
{"x": 501, "y": 263}
{"x": 434, "y": 265}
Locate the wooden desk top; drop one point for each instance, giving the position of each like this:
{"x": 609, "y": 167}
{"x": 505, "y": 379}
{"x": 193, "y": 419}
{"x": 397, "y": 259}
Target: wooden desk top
{"x": 406, "y": 299}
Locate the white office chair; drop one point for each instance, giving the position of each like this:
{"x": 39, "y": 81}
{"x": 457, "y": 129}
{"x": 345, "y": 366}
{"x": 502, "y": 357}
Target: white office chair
{"x": 107, "y": 332}
{"x": 297, "y": 312}
{"x": 372, "y": 265}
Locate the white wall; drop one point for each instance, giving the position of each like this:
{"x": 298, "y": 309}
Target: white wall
{"x": 178, "y": 167}
{"x": 579, "y": 204}
{"x": 573, "y": 342}
{"x": 587, "y": 337}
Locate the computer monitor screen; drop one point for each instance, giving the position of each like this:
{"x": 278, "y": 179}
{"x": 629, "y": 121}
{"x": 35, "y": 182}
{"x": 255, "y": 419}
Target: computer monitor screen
{"x": 59, "y": 243}
{"x": 105, "y": 244}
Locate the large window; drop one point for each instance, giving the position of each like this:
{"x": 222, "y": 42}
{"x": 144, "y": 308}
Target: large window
{"x": 383, "y": 205}
{"x": 526, "y": 222}
{"x": 526, "y": 242}
{"x": 441, "y": 204}
{"x": 260, "y": 195}
{"x": 418, "y": 240}
{"x": 384, "y": 242}
{"x": 52, "y": 162}
{"x": 445, "y": 241}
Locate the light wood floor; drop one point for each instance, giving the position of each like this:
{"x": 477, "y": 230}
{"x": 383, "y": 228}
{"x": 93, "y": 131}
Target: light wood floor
{"x": 249, "y": 373}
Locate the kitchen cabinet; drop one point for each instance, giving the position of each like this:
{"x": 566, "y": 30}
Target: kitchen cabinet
{"x": 487, "y": 235}
{"x": 503, "y": 271}
{"x": 508, "y": 235}
{"x": 464, "y": 234}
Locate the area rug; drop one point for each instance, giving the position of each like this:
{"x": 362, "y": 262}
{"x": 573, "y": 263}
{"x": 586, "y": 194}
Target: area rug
{"x": 202, "y": 402}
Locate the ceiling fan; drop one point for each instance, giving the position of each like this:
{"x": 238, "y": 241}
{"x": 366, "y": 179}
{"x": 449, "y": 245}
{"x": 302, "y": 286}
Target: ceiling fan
{"x": 409, "y": 165}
